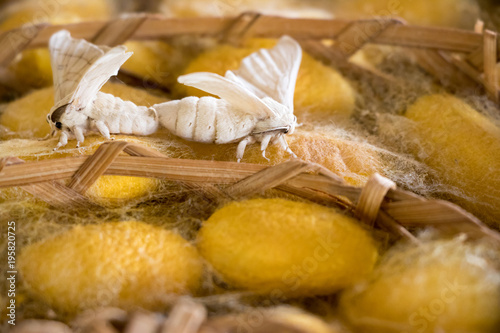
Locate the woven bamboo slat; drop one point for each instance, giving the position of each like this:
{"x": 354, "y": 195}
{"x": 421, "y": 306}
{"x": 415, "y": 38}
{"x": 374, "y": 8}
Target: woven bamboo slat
{"x": 436, "y": 48}
{"x": 379, "y": 201}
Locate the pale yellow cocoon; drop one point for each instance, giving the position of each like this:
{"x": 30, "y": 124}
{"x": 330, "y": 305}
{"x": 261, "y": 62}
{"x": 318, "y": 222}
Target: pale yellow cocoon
{"x": 156, "y": 62}
{"x": 29, "y": 113}
{"x": 32, "y": 67}
{"x": 456, "y": 13}
{"x": 282, "y": 247}
{"x": 440, "y": 286}
{"x": 122, "y": 264}
{"x": 320, "y": 90}
{"x": 463, "y": 146}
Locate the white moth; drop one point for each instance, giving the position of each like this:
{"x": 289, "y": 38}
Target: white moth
{"x": 255, "y": 105}
{"x": 80, "y": 69}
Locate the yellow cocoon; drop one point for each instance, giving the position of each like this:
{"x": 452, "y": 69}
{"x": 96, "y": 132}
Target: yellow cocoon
{"x": 32, "y": 67}
{"x": 286, "y": 248}
{"x": 123, "y": 264}
{"x": 320, "y": 90}
{"x": 440, "y": 286}
{"x": 463, "y": 146}
{"x": 29, "y": 113}
{"x": 454, "y": 13}
{"x": 156, "y": 62}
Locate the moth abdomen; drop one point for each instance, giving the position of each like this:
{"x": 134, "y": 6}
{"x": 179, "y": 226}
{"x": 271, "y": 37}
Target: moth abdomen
{"x": 124, "y": 116}
{"x": 190, "y": 118}
{"x": 205, "y": 119}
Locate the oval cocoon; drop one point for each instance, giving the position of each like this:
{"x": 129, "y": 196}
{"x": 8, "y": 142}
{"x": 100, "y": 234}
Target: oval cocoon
{"x": 463, "y": 146}
{"x": 123, "y": 264}
{"x": 285, "y": 247}
{"x": 440, "y": 286}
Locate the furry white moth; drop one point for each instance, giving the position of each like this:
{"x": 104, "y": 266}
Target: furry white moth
{"x": 80, "y": 69}
{"x": 255, "y": 105}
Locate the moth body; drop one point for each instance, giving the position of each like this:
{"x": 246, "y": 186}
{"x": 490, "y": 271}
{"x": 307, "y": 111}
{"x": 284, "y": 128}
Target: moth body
{"x": 255, "y": 102}
{"x": 106, "y": 115}
{"x": 205, "y": 119}
{"x": 214, "y": 120}
{"x": 80, "y": 69}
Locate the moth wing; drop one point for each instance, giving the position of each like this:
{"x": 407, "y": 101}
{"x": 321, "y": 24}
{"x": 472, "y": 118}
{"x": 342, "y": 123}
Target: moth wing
{"x": 230, "y": 91}
{"x": 80, "y": 68}
{"x": 98, "y": 74}
{"x": 271, "y": 72}
{"x": 70, "y": 59}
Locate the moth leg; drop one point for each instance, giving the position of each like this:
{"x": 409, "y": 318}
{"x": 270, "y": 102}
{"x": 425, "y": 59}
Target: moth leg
{"x": 102, "y": 128}
{"x": 78, "y": 135}
{"x": 242, "y": 145}
{"x": 63, "y": 140}
{"x": 284, "y": 145}
{"x": 263, "y": 145}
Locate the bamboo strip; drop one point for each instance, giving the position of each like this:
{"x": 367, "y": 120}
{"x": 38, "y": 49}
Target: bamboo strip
{"x": 167, "y": 168}
{"x": 239, "y": 30}
{"x": 86, "y": 321}
{"x": 475, "y": 58}
{"x": 414, "y": 213}
{"x": 187, "y": 316}
{"x": 271, "y": 26}
{"x": 440, "y": 65}
{"x": 40, "y": 326}
{"x": 14, "y": 41}
{"x": 95, "y": 166}
{"x": 468, "y": 69}
{"x": 359, "y": 33}
{"x": 143, "y": 322}
{"x": 388, "y": 223}
{"x": 372, "y": 196}
{"x": 490, "y": 61}
{"x": 405, "y": 208}
{"x": 267, "y": 178}
{"x": 58, "y": 195}
{"x": 327, "y": 55}
{"x": 431, "y": 44}
{"x": 118, "y": 31}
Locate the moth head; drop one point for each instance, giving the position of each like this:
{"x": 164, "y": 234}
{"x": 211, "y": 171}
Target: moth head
{"x": 291, "y": 127}
{"x": 55, "y": 118}
{"x": 283, "y": 117}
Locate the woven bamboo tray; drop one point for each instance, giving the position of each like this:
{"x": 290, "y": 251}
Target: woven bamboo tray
{"x": 457, "y": 58}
